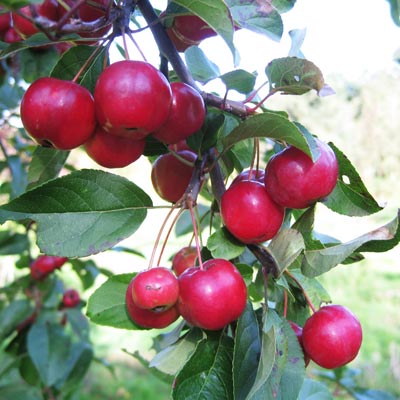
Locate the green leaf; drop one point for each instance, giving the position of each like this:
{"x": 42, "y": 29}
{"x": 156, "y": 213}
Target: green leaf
{"x": 283, "y": 5}
{"x": 12, "y": 315}
{"x": 370, "y": 394}
{"x": 75, "y": 58}
{"x": 13, "y": 243}
{"x": 106, "y": 306}
{"x": 171, "y": 359}
{"x": 202, "y": 69}
{"x": 217, "y": 16}
{"x": 19, "y": 180}
{"x": 395, "y": 11}
{"x": 259, "y": 17}
{"x": 82, "y": 213}
{"x": 246, "y": 353}
{"x": 350, "y": 196}
{"x": 223, "y": 245}
{"x": 36, "y": 64}
{"x": 292, "y": 75}
{"x": 22, "y": 391}
{"x": 317, "y": 262}
{"x": 46, "y": 164}
{"x": 49, "y": 346}
{"x": 208, "y": 372}
{"x": 285, "y": 247}
{"x": 314, "y": 390}
{"x": 239, "y": 80}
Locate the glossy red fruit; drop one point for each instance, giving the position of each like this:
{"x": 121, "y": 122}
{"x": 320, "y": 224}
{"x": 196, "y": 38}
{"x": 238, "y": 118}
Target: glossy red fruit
{"x": 249, "y": 213}
{"x": 212, "y": 297}
{"x": 332, "y": 336}
{"x": 155, "y": 289}
{"x": 186, "y": 116}
{"x": 257, "y": 175}
{"x": 148, "y": 318}
{"x": 71, "y": 298}
{"x": 44, "y": 265}
{"x": 91, "y": 11}
{"x": 12, "y": 36}
{"x": 132, "y": 99}
{"x": 298, "y": 330}
{"x": 294, "y": 181}
{"x": 48, "y": 9}
{"x": 113, "y": 151}
{"x": 170, "y": 176}
{"x": 188, "y": 30}
{"x": 58, "y": 113}
{"x": 185, "y": 258}
{"x": 5, "y": 20}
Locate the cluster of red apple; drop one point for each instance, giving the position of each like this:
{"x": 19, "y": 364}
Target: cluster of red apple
{"x": 202, "y": 295}
{"x": 253, "y": 207}
{"x": 44, "y": 265}
{"x": 18, "y": 25}
{"x": 131, "y": 100}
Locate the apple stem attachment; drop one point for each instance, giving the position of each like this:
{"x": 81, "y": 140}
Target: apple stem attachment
{"x": 196, "y": 233}
{"x": 308, "y": 300}
{"x": 95, "y": 52}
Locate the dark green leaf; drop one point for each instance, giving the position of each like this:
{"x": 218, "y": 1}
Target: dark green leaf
{"x": 246, "y": 353}
{"x": 239, "y": 80}
{"x": 82, "y": 213}
{"x": 223, "y": 245}
{"x": 75, "y": 58}
{"x": 208, "y": 372}
{"x": 49, "y": 346}
{"x": 86, "y": 270}
{"x": 106, "y": 306}
{"x": 217, "y": 16}
{"x": 19, "y": 181}
{"x": 37, "y": 63}
{"x": 78, "y": 322}
{"x": 46, "y": 164}
{"x": 22, "y": 391}
{"x": 12, "y": 315}
{"x": 317, "y": 262}
{"x": 202, "y": 69}
{"x": 259, "y": 17}
{"x": 292, "y": 75}
{"x": 10, "y": 95}
{"x": 350, "y": 196}
{"x": 314, "y": 390}
{"x": 13, "y": 243}
{"x": 274, "y": 126}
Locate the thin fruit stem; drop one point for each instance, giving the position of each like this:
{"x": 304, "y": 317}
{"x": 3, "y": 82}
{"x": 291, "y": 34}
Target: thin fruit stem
{"x": 196, "y": 234}
{"x": 129, "y": 33}
{"x": 124, "y": 43}
{"x": 308, "y": 300}
{"x": 265, "y": 275}
{"x": 85, "y": 65}
{"x": 157, "y": 241}
{"x": 285, "y": 303}
{"x": 169, "y": 234}
{"x": 260, "y": 103}
{"x": 257, "y": 143}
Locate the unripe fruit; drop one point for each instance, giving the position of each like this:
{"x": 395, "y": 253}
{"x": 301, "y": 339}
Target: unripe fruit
{"x": 148, "y": 318}
{"x": 71, "y": 298}
{"x": 113, "y": 151}
{"x": 332, "y": 336}
{"x": 58, "y": 113}
{"x": 293, "y": 180}
{"x": 132, "y": 99}
{"x": 249, "y": 213}
{"x": 170, "y": 176}
{"x": 185, "y": 258}
{"x": 155, "y": 289}
{"x": 212, "y": 297}
{"x": 186, "y": 115}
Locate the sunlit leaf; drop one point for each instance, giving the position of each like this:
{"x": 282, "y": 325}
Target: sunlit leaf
{"x": 202, "y": 69}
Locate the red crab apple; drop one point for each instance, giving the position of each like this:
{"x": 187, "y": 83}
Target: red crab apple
{"x": 212, "y": 297}
{"x": 71, "y": 298}
{"x": 250, "y": 175}
{"x": 155, "y": 289}
{"x": 148, "y": 318}
{"x": 249, "y": 213}
{"x": 58, "y": 113}
{"x": 186, "y": 115}
{"x": 184, "y": 259}
{"x": 22, "y": 24}
{"x": 45, "y": 264}
{"x": 188, "y": 30}
{"x": 170, "y": 176}
{"x": 298, "y": 330}
{"x": 132, "y": 99}
{"x": 5, "y": 20}
{"x": 113, "y": 151}
{"x": 293, "y": 180}
{"x": 332, "y": 336}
